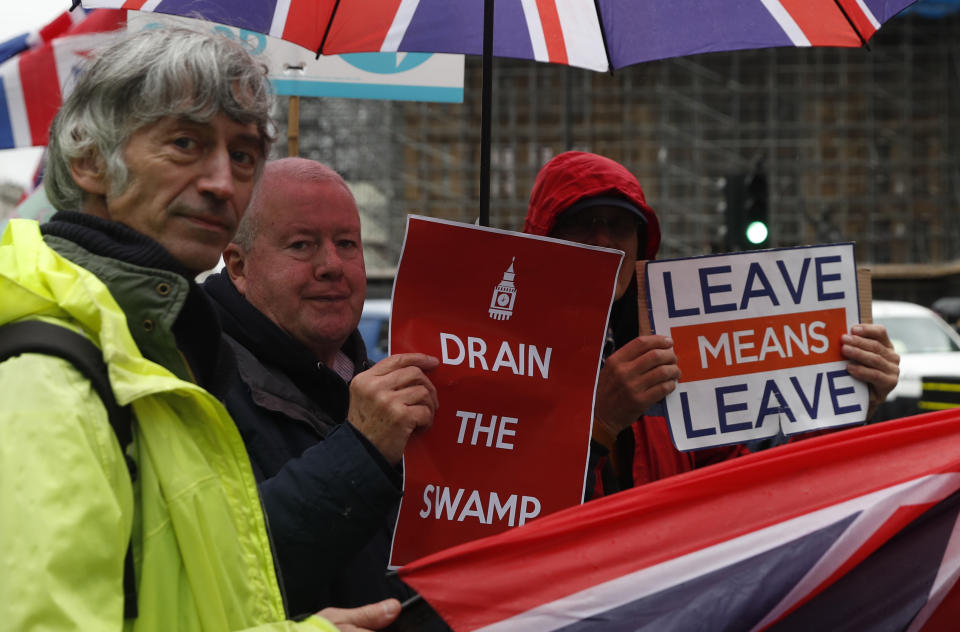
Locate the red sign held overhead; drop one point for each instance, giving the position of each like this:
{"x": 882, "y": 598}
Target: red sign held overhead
{"x": 518, "y": 324}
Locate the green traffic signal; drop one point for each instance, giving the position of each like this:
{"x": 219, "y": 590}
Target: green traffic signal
{"x": 757, "y": 233}
{"x": 746, "y": 209}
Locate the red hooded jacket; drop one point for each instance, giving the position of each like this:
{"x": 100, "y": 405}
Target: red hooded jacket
{"x": 565, "y": 180}
{"x": 575, "y": 175}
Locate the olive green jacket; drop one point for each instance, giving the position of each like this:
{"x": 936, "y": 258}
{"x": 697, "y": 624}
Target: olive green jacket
{"x": 67, "y": 505}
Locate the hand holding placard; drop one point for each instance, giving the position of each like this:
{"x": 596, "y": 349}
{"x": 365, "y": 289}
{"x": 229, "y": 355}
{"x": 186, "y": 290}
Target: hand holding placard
{"x": 632, "y": 379}
{"x": 872, "y": 360}
{"x": 393, "y": 399}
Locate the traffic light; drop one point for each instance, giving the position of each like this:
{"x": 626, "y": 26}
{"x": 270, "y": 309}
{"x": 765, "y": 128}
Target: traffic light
{"x": 755, "y": 210}
{"x": 747, "y": 213}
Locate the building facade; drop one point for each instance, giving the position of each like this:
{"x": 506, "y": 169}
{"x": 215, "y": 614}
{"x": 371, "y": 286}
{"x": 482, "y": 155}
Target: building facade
{"x": 856, "y": 145}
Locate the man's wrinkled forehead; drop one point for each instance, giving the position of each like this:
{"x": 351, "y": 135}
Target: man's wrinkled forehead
{"x": 189, "y": 114}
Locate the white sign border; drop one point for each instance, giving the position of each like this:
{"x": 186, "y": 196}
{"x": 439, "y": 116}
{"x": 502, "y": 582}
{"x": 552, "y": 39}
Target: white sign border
{"x": 686, "y": 445}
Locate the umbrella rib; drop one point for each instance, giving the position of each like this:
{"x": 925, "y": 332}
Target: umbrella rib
{"x": 852, "y": 25}
{"x": 603, "y": 35}
{"x": 326, "y": 31}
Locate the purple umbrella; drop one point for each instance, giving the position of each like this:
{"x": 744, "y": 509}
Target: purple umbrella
{"x": 600, "y": 35}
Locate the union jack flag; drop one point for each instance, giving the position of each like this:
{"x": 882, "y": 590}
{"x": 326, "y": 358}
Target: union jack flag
{"x": 32, "y": 83}
{"x": 56, "y": 28}
{"x": 560, "y": 31}
{"x": 855, "y": 530}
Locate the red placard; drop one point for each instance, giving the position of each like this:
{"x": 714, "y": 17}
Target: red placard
{"x": 518, "y": 322}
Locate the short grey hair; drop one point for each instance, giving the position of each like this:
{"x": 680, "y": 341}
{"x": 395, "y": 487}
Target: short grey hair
{"x": 141, "y": 79}
{"x": 278, "y": 173}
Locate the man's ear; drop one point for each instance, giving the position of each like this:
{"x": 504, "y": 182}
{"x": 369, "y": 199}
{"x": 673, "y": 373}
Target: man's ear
{"x": 90, "y": 173}
{"x": 233, "y": 261}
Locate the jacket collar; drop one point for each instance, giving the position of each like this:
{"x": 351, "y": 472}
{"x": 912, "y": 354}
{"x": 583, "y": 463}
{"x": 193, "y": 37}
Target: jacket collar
{"x": 273, "y": 347}
{"x": 169, "y": 316}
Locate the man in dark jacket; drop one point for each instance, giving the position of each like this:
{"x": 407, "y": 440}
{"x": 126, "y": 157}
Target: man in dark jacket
{"x": 325, "y": 431}
{"x": 591, "y": 199}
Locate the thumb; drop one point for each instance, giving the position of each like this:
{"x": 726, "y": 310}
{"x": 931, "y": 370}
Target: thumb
{"x": 372, "y": 616}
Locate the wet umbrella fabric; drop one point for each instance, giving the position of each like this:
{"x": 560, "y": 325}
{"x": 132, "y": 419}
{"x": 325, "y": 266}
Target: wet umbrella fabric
{"x": 600, "y": 35}
{"x": 574, "y": 32}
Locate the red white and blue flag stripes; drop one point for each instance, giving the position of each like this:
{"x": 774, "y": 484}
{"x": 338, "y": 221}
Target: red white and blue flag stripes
{"x": 855, "y": 530}
{"x": 55, "y": 28}
{"x": 32, "y": 83}
{"x": 558, "y": 31}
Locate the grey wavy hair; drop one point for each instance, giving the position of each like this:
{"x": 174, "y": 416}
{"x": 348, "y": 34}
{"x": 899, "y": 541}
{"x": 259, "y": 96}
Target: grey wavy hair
{"x": 141, "y": 79}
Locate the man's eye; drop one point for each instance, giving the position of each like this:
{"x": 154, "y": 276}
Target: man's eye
{"x": 299, "y": 245}
{"x": 185, "y": 142}
{"x": 243, "y": 158}
{"x": 346, "y": 243}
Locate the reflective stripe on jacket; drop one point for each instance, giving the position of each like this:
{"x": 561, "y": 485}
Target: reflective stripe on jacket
{"x": 67, "y": 506}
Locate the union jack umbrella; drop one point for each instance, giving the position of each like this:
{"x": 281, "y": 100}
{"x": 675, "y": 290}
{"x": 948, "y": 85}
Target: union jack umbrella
{"x": 598, "y": 35}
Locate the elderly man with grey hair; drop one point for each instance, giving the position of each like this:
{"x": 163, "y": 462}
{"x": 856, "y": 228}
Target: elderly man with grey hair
{"x": 152, "y": 162}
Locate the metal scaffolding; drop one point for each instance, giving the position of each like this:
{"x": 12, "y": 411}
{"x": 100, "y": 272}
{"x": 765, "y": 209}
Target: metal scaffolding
{"x": 858, "y": 145}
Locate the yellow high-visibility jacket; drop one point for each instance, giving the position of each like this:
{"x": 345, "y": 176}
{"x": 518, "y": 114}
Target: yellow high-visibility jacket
{"x": 67, "y": 505}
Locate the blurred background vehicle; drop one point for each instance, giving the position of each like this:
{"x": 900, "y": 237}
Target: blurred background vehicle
{"x": 948, "y": 308}
{"x": 375, "y": 327}
{"x": 927, "y": 346}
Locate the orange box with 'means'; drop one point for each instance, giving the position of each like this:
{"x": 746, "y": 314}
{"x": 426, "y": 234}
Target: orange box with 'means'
{"x": 753, "y": 345}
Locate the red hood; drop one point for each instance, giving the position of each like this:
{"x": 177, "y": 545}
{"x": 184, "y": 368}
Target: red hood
{"x": 575, "y": 175}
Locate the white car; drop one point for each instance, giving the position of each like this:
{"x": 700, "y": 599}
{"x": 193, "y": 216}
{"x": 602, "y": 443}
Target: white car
{"x": 927, "y": 346}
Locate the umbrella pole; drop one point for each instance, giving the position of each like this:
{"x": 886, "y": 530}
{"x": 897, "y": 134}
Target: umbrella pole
{"x": 485, "y": 107}
{"x": 293, "y": 126}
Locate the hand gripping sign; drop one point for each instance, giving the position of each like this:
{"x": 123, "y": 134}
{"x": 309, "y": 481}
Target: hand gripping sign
{"x": 518, "y": 324}
{"x": 757, "y": 337}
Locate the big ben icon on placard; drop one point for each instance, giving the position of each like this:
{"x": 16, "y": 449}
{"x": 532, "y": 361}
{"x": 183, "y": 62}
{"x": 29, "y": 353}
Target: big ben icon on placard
{"x": 504, "y": 295}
